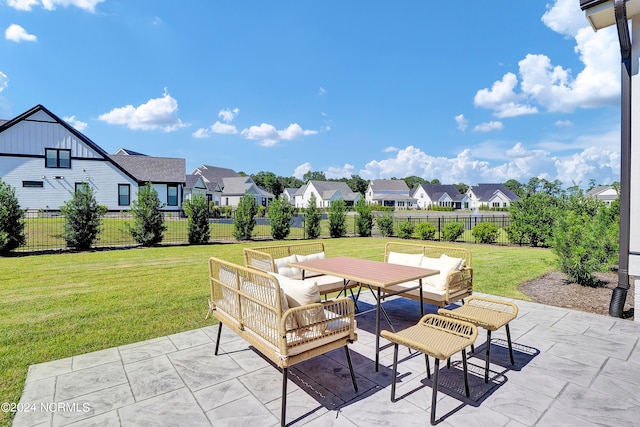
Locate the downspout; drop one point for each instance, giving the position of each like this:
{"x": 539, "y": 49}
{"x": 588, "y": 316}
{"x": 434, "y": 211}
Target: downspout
{"x": 619, "y": 295}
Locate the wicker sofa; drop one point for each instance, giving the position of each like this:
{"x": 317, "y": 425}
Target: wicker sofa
{"x": 285, "y": 323}
{"x": 455, "y": 280}
{"x": 276, "y": 259}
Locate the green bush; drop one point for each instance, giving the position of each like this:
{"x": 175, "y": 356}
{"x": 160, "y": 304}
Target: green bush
{"x": 338, "y": 218}
{"x": 405, "y": 229}
{"x": 385, "y": 225}
{"x": 485, "y": 232}
{"x": 364, "y": 219}
{"x": 426, "y": 231}
{"x": 312, "y": 218}
{"x": 245, "y": 218}
{"x": 82, "y": 218}
{"x": 452, "y": 231}
{"x": 532, "y": 220}
{"x": 11, "y": 220}
{"x": 197, "y": 211}
{"x": 280, "y": 214}
{"x": 148, "y": 221}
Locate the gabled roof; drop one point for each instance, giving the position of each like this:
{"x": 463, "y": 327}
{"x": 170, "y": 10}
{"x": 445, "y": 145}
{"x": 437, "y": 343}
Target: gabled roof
{"x": 127, "y": 152}
{"x": 214, "y": 175}
{"x": 237, "y": 185}
{"x": 382, "y": 185}
{"x": 487, "y": 191}
{"x": 437, "y": 191}
{"x": 599, "y": 189}
{"x": 192, "y": 181}
{"x": 154, "y": 169}
{"x": 328, "y": 189}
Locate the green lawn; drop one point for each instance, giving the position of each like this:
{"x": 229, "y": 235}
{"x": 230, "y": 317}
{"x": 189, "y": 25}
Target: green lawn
{"x": 56, "y": 306}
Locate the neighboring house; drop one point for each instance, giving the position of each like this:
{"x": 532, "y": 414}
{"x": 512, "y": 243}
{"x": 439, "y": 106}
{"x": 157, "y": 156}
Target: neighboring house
{"x": 213, "y": 177}
{"x": 606, "y": 193}
{"x": 290, "y": 195}
{"x": 430, "y": 195}
{"x": 390, "y": 192}
{"x": 236, "y": 187}
{"x": 45, "y": 159}
{"x": 490, "y": 196}
{"x": 326, "y": 192}
{"x": 195, "y": 186}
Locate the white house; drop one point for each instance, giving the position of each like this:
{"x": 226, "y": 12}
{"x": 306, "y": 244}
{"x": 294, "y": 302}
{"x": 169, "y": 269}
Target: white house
{"x": 429, "y": 195}
{"x": 326, "y": 193}
{"x": 490, "y": 196}
{"x": 213, "y": 176}
{"x": 390, "y": 192}
{"x": 290, "y": 195}
{"x": 606, "y": 193}
{"x": 235, "y": 187}
{"x": 45, "y": 160}
{"x": 195, "y": 186}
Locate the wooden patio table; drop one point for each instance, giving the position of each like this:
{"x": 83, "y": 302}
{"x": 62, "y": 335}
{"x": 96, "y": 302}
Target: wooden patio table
{"x": 373, "y": 274}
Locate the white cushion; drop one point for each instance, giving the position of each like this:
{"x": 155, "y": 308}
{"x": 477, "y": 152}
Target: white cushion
{"x": 461, "y": 261}
{"x": 310, "y": 257}
{"x": 404, "y": 259}
{"x": 282, "y": 266}
{"x": 430, "y": 263}
{"x": 446, "y": 265}
{"x": 300, "y": 293}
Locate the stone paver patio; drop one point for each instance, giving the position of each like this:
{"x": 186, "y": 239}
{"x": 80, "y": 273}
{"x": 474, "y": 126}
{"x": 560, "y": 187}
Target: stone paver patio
{"x": 572, "y": 369}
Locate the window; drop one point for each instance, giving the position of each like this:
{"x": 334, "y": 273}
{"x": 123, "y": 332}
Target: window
{"x": 124, "y": 194}
{"x": 80, "y": 186}
{"x": 172, "y": 195}
{"x": 33, "y": 184}
{"x": 57, "y": 158}
{"x": 496, "y": 204}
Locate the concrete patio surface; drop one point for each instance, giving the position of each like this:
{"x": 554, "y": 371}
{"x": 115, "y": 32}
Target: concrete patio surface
{"x": 572, "y": 369}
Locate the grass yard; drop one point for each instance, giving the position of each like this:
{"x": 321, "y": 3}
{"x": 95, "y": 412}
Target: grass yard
{"x": 61, "y": 305}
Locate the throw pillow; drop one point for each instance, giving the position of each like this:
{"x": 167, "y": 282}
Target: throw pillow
{"x": 446, "y": 265}
{"x": 282, "y": 266}
{"x": 300, "y": 293}
{"x": 461, "y": 261}
{"x": 310, "y": 257}
{"x": 412, "y": 260}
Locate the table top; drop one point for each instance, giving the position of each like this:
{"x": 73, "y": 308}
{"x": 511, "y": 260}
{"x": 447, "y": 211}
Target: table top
{"x": 374, "y": 273}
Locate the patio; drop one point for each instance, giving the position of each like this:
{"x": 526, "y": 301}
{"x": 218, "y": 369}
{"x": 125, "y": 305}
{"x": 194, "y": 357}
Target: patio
{"x": 572, "y": 368}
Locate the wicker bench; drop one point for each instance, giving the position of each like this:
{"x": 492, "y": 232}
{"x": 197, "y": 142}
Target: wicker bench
{"x": 489, "y": 314}
{"x": 287, "y": 323}
{"x": 455, "y": 281}
{"x": 436, "y": 336}
{"x": 276, "y": 259}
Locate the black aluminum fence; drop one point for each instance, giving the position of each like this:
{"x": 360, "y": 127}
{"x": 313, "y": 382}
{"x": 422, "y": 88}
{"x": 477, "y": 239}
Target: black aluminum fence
{"x": 44, "y": 230}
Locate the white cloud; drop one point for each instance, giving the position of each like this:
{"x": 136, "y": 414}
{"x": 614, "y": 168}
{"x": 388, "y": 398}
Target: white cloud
{"x": 79, "y": 125}
{"x": 228, "y": 115}
{"x": 488, "y": 127}
{"x": 503, "y": 99}
{"x": 22, "y": 4}
{"x": 270, "y": 136}
{"x": 223, "y": 128}
{"x": 302, "y": 169}
{"x": 322, "y": 91}
{"x": 563, "y": 123}
{"x": 564, "y": 17}
{"x": 343, "y": 172}
{"x": 462, "y": 121}
{"x": 202, "y": 133}
{"x": 155, "y": 114}
{"x": 26, "y": 5}
{"x": 4, "y": 81}
{"x": 390, "y": 149}
{"x": 17, "y": 34}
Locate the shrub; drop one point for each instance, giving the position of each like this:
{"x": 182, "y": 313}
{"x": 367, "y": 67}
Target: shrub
{"x": 280, "y": 214}
{"x": 405, "y": 229}
{"x": 11, "y": 220}
{"x": 312, "y": 219}
{"x": 148, "y": 221}
{"x": 245, "y": 219}
{"x": 532, "y": 220}
{"x": 426, "y": 230}
{"x": 82, "y": 218}
{"x": 197, "y": 211}
{"x": 452, "y": 231}
{"x": 364, "y": 219}
{"x": 385, "y": 225}
{"x": 338, "y": 218}
{"x": 485, "y": 232}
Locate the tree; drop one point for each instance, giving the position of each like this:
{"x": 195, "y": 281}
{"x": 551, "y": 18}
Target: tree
{"x": 269, "y": 181}
{"x": 245, "y": 218}
{"x": 280, "y": 214}
{"x": 11, "y": 220}
{"x": 312, "y": 219}
{"x": 197, "y": 211}
{"x": 515, "y": 187}
{"x": 82, "y": 218}
{"x": 462, "y": 188}
{"x": 148, "y": 221}
{"x": 414, "y": 181}
{"x": 532, "y": 219}
{"x": 314, "y": 176}
{"x": 357, "y": 184}
{"x": 338, "y": 218}
{"x": 364, "y": 219}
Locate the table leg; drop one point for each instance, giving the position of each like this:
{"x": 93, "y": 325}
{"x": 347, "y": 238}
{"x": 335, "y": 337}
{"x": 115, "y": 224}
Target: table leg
{"x": 378, "y": 307}
{"x": 421, "y": 303}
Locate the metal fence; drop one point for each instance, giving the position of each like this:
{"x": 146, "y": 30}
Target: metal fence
{"x": 43, "y": 230}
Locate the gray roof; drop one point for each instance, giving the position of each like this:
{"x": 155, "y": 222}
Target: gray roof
{"x": 487, "y": 191}
{"x": 381, "y": 185}
{"x": 192, "y": 180}
{"x": 328, "y": 189}
{"x": 154, "y": 169}
{"x": 436, "y": 191}
{"x": 214, "y": 175}
{"x": 236, "y": 184}
{"x": 128, "y": 152}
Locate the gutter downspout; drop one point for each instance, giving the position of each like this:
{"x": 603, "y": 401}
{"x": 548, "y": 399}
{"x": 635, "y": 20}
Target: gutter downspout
{"x": 619, "y": 295}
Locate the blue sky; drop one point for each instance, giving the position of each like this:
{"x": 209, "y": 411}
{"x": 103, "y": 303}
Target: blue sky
{"x": 465, "y": 92}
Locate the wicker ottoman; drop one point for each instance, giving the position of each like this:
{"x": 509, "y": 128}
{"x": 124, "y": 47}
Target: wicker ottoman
{"x": 437, "y": 336}
{"x": 487, "y": 313}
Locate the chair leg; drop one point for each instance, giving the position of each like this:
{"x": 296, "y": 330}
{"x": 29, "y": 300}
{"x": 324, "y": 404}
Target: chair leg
{"x": 434, "y": 392}
{"x": 466, "y": 377}
{"x": 353, "y": 376}
{"x": 486, "y": 364}
{"x": 394, "y": 372}
{"x": 510, "y": 346}
{"x": 218, "y": 338}
{"x": 283, "y": 409}
{"x": 426, "y": 358}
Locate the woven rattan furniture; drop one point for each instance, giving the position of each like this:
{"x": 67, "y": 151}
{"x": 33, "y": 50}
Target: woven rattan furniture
{"x": 487, "y": 313}
{"x": 265, "y": 258}
{"x": 253, "y": 305}
{"x": 458, "y": 284}
{"x": 436, "y": 336}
